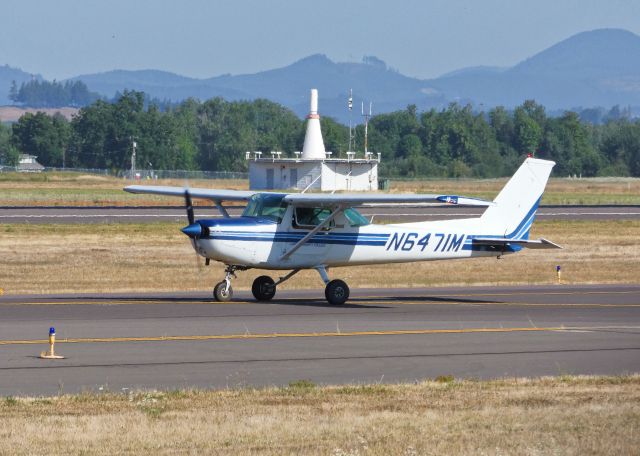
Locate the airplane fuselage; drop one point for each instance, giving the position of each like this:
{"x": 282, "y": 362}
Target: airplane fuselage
{"x": 261, "y": 243}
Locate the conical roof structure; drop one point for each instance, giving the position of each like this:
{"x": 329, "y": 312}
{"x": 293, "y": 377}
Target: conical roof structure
{"x": 313, "y": 148}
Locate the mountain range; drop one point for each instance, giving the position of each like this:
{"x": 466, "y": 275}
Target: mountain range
{"x": 594, "y": 68}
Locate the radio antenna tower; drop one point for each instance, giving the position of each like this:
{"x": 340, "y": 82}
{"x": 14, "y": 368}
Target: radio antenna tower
{"x": 351, "y": 135}
{"x": 366, "y": 125}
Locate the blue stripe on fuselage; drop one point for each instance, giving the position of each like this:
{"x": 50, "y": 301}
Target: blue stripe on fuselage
{"x": 283, "y": 237}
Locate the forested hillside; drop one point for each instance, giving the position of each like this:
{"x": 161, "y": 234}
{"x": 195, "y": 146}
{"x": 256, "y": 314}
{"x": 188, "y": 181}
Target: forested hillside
{"x": 213, "y": 135}
{"x": 45, "y": 94}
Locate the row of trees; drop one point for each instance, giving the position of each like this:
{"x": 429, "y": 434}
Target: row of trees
{"x": 213, "y": 135}
{"x": 45, "y": 94}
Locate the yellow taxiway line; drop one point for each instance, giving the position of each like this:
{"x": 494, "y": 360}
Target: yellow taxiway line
{"x": 286, "y": 335}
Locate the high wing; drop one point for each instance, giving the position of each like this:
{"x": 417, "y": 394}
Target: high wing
{"x": 205, "y": 193}
{"x": 501, "y": 243}
{"x": 361, "y": 199}
{"x": 313, "y": 199}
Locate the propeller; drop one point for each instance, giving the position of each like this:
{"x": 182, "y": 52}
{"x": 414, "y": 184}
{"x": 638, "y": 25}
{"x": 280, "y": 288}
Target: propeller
{"x": 193, "y": 230}
{"x": 189, "y": 206}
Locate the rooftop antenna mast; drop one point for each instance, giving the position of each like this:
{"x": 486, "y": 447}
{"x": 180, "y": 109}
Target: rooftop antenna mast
{"x": 351, "y": 135}
{"x": 366, "y": 125}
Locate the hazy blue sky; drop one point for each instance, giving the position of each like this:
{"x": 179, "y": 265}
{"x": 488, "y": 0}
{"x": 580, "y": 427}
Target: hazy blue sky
{"x": 203, "y": 38}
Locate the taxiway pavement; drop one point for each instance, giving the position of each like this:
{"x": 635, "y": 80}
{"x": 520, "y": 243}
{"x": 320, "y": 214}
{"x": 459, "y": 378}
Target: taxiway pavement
{"x": 397, "y": 213}
{"x": 133, "y": 341}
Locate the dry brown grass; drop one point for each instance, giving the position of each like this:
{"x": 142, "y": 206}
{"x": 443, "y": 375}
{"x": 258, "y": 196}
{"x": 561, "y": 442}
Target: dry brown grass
{"x": 558, "y": 190}
{"x": 75, "y": 189}
{"x": 566, "y": 415}
{"x": 13, "y": 113}
{"x": 157, "y": 256}
{"x": 63, "y": 189}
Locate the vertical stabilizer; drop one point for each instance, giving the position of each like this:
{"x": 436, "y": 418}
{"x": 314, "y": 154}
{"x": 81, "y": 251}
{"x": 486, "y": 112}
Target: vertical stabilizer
{"x": 516, "y": 204}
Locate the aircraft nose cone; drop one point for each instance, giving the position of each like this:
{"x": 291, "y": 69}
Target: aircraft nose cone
{"x": 193, "y": 231}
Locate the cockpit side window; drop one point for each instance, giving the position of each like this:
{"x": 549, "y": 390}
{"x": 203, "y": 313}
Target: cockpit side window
{"x": 266, "y": 205}
{"x": 355, "y": 218}
{"x": 310, "y": 217}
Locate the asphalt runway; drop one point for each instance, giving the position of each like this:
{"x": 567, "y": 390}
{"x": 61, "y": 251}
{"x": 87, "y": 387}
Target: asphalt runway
{"x": 382, "y": 214}
{"x": 138, "y": 341}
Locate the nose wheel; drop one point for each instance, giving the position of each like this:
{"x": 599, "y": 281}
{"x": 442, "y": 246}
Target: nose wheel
{"x": 223, "y": 291}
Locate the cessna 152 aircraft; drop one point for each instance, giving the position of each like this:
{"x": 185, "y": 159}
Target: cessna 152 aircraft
{"x": 295, "y": 231}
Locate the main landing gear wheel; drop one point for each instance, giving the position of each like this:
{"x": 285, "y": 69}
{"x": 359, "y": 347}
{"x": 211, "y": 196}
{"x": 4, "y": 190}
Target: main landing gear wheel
{"x": 223, "y": 292}
{"x": 336, "y": 292}
{"x": 263, "y": 288}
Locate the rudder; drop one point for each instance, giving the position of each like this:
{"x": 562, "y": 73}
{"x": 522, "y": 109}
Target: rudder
{"x": 516, "y": 204}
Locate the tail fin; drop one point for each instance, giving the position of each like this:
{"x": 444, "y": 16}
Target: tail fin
{"x": 517, "y": 202}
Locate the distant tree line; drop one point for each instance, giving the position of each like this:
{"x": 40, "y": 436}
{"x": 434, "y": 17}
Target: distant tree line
{"x": 213, "y": 135}
{"x": 9, "y": 153}
{"x": 45, "y": 94}
{"x": 456, "y": 142}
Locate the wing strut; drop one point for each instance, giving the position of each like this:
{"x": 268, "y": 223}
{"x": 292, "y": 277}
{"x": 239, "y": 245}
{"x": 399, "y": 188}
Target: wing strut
{"x": 311, "y": 233}
{"x": 222, "y": 209}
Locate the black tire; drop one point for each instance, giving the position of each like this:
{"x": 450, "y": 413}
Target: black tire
{"x": 263, "y": 288}
{"x": 336, "y": 292}
{"x": 221, "y": 294}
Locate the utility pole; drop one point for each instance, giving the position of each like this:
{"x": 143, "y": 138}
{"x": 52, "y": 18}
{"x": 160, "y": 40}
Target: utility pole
{"x": 366, "y": 125}
{"x": 133, "y": 158}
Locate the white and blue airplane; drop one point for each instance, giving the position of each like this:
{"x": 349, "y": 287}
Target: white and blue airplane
{"x": 296, "y": 231}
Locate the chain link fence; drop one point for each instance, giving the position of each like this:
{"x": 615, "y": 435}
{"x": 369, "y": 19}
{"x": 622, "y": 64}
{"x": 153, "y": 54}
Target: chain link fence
{"x": 141, "y": 174}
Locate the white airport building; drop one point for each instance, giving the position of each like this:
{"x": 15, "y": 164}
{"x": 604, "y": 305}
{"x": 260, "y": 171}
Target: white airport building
{"x": 314, "y": 168}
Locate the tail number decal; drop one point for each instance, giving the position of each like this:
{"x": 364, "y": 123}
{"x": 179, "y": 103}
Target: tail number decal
{"x": 410, "y": 241}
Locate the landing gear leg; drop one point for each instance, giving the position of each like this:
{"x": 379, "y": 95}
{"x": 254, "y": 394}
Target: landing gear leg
{"x": 223, "y": 291}
{"x": 336, "y": 291}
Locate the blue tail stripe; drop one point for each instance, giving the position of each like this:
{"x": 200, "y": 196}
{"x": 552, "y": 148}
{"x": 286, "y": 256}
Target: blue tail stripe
{"x": 520, "y": 232}
{"x": 523, "y": 228}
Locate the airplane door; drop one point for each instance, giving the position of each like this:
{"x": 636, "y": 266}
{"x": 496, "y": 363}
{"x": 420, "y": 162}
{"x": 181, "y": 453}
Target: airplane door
{"x": 305, "y": 220}
{"x": 270, "y": 178}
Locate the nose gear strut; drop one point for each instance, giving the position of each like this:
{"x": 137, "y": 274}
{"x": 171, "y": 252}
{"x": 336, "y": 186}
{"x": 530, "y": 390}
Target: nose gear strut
{"x": 223, "y": 291}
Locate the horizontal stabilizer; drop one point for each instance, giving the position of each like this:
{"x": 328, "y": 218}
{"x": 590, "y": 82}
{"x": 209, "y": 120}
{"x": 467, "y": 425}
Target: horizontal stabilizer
{"x": 502, "y": 242}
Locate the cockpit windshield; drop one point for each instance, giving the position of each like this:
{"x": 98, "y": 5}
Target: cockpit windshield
{"x": 266, "y": 205}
